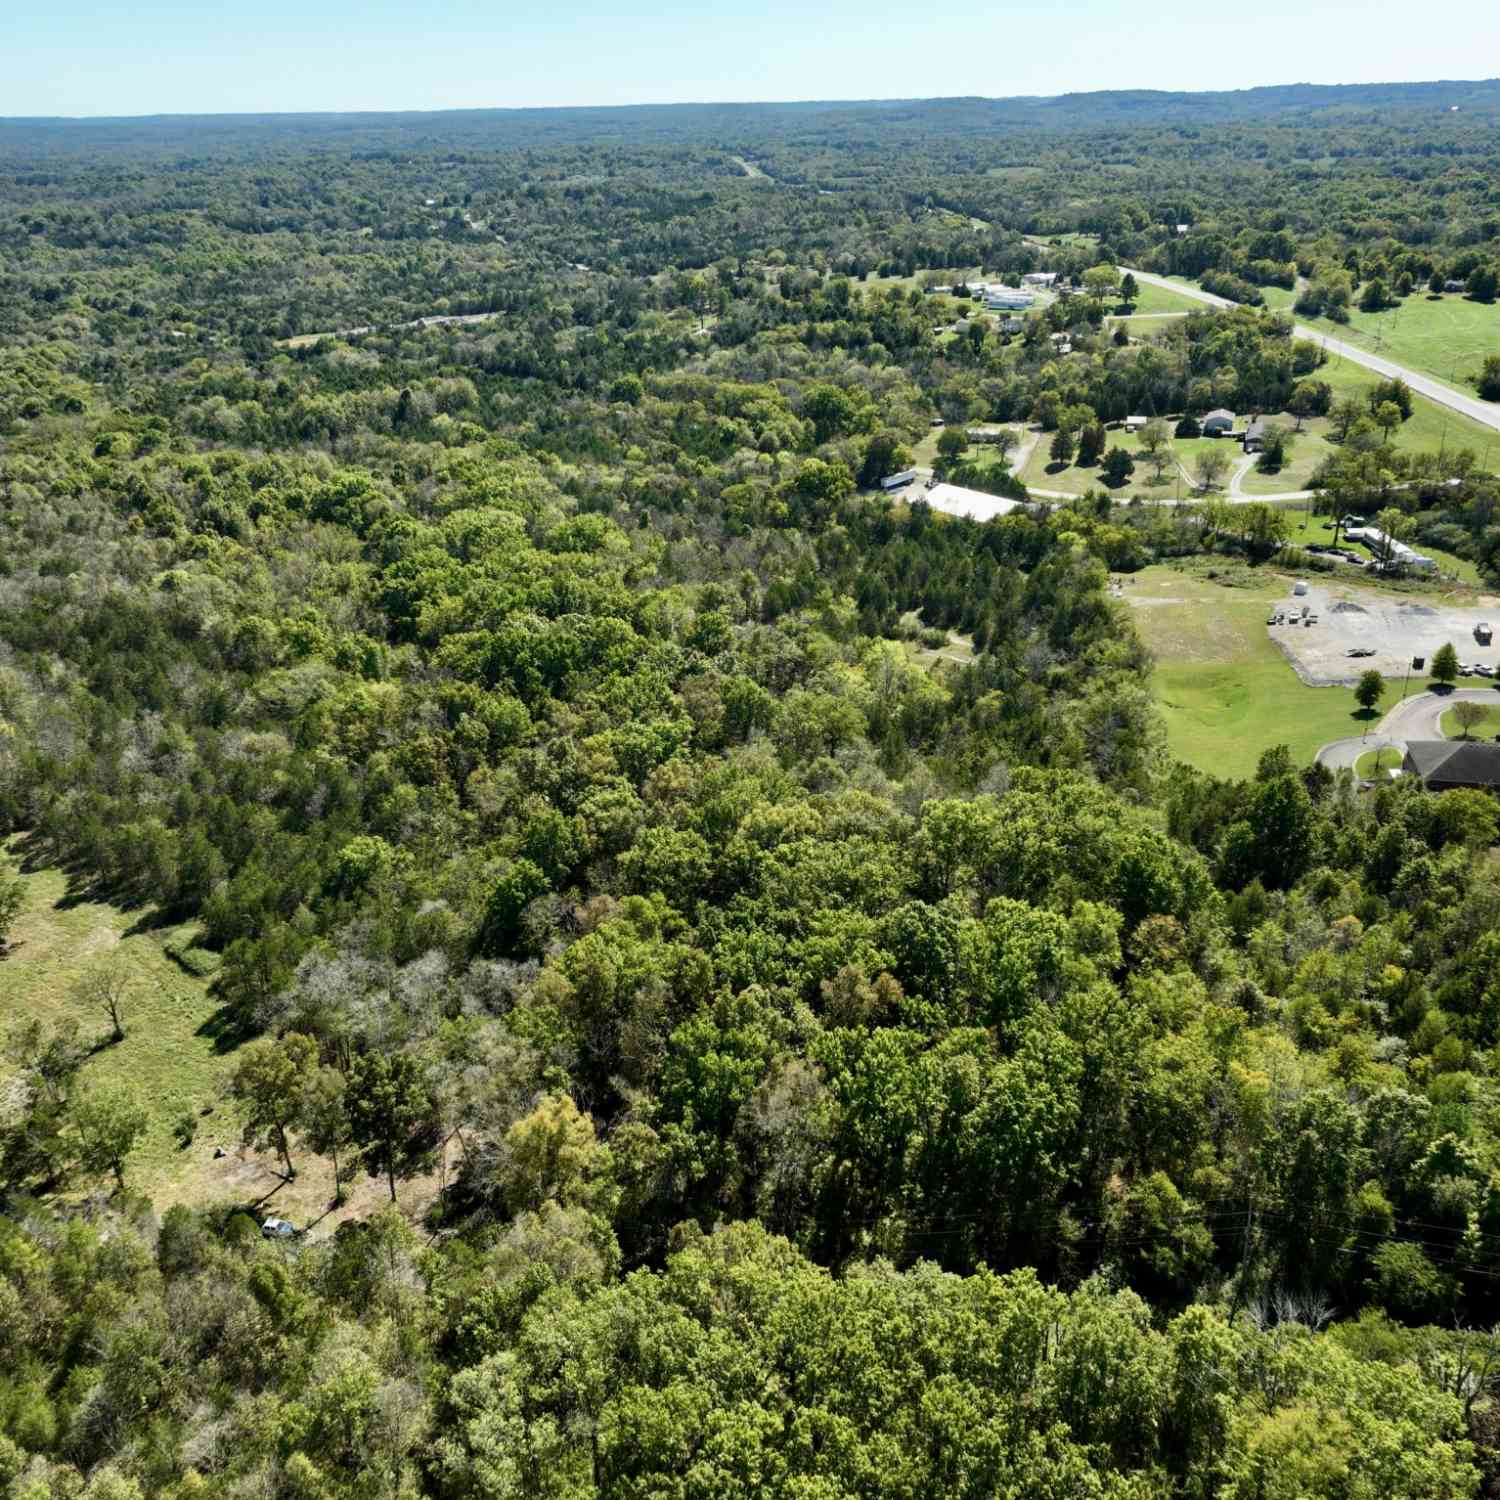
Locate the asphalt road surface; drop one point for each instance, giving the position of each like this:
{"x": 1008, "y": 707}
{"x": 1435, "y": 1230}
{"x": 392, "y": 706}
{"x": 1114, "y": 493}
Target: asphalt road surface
{"x": 1484, "y": 412}
{"x": 1415, "y": 719}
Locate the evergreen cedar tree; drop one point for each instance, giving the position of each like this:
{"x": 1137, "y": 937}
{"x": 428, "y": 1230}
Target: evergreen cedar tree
{"x": 782, "y": 1022}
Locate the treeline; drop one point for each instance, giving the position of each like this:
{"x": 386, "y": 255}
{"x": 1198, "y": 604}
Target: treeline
{"x": 753, "y": 927}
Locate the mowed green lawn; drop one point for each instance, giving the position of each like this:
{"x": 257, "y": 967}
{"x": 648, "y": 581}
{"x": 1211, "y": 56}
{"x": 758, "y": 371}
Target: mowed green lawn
{"x": 918, "y": 279}
{"x": 1225, "y": 691}
{"x": 1373, "y": 762}
{"x": 1483, "y": 730}
{"x": 1157, "y": 299}
{"x": 1041, "y": 471}
{"x": 168, "y": 1058}
{"x": 1447, "y": 337}
{"x": 1429, "y": 428}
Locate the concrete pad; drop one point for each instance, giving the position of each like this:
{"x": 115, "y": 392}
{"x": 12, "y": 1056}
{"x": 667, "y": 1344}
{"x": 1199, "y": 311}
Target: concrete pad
{"x": 1397, "y": 627}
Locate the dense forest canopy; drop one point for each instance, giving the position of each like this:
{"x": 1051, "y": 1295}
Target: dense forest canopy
{"x": 810, "y": 1037}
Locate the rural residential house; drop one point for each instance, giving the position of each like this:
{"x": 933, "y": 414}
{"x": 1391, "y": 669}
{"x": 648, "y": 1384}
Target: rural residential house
{"x": 1441, "y": 765}
{"x": 1255, "y": 435}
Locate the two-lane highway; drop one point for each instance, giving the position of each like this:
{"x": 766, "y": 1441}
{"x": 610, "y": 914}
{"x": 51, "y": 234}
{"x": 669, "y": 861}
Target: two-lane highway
{"x": 1484, "y": 412}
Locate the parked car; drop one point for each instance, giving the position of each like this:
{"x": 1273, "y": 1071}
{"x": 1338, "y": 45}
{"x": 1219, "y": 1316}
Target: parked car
{"x": 1361, "y": 651}
{"x": 1483, "y": 669}
{"x": 279, "y": 1229}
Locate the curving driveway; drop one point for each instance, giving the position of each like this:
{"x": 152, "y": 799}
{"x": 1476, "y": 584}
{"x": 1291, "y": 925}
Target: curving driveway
{"x": 1484, "y": 412}
{"x": 1415, "y": 719}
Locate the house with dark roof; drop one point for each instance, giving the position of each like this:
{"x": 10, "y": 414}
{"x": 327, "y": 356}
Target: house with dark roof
{"x": 1441, "y": 765}
{"x": 1218, "y": 423}
{"x": 1255, "y": 435}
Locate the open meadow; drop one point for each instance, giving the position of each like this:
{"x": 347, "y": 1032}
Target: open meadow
{"x": 1152, "y": 299}
{"x": 1446, "y": 337}
{"x": 1224, "y": 688}
{"x": 175, "y": 1060}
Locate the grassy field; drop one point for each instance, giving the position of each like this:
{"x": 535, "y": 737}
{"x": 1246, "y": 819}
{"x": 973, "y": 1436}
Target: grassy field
{"x": 1225, "y": 691}
{"x": 170, "y": 1059}
{"x": 1077, "y": 240}
{"x": 168, "y": 1056}
{"x": 1157, "y": 299}
{"x": 1453, "y": 730}
{"x": 1373, "y": 762}
{"x": 1446, "y": 337}
{"x": 1279, "y": 298}
{"x": 1041, "y": 471}
{"x": 919, "y": 279}
{"x": 1146, "y": 326}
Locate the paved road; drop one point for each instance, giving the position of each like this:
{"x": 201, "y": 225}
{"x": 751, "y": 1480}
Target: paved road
{"x": 1484, "y": 412}
{"x": 1415, "y": 719}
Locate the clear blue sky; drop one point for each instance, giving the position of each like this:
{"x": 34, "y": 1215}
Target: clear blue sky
{"x": 135, "y": 57}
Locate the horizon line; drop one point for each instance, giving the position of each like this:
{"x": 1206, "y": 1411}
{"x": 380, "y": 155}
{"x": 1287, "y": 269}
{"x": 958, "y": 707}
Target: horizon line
{"x": 686, "y": 104}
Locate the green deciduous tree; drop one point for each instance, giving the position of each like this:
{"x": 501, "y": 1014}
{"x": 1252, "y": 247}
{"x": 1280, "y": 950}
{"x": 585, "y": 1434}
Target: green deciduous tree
{"x": 1156, "y": 444}
{"x": 270, "y": 1088}
{"x": 1470, "y": 715}
{"x": 393, "y": 1116}
{"x": 1210, "y": 467}
{"x": 12, "y": 900}
{"x": 1118, "y": 466}
{"x": 108, "y": 1120}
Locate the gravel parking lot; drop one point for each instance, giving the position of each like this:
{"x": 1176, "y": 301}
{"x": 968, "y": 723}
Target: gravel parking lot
{"x": 1395, "y": 627}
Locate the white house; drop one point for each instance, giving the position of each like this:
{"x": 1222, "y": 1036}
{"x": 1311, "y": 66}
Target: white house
{"x": 1039, "y": 278}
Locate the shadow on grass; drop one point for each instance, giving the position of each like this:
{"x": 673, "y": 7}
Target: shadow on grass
{"x": 281, "y": 1181}
{"x": 225, "y": 1030}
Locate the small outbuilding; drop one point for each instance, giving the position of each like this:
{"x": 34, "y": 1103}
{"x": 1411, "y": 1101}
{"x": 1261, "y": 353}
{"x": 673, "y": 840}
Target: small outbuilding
{"x": 1134, "y": 424}
{"x": 1442, "y": 765}
{"x": 1218, "y": 423}
{"x": 898, "y": 481}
